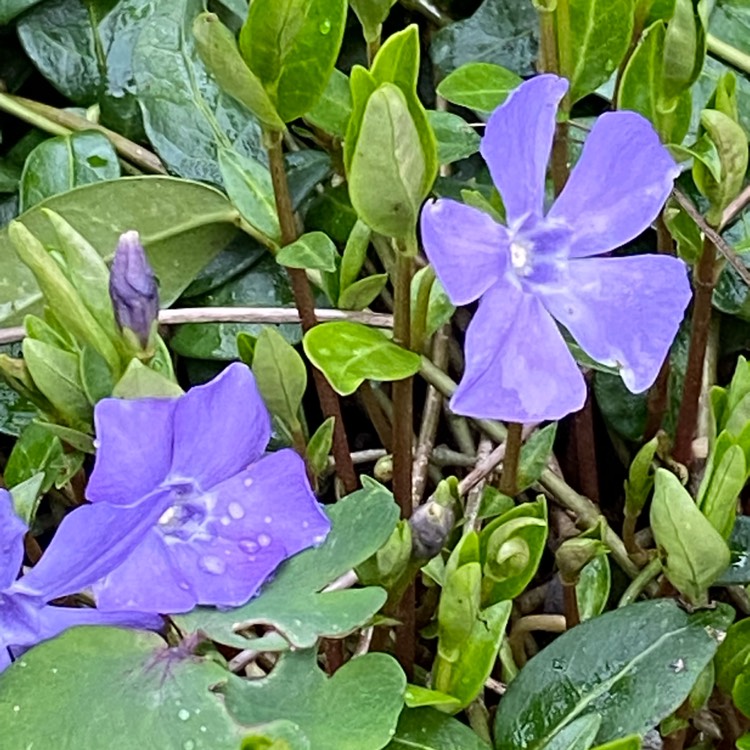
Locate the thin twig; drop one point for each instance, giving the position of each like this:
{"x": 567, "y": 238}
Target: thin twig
{"x": 735, "y": 207}
{"x": 474, "y": 499}
{"x": 482, "y": 470}
{"x": 270, "y": 315}
{"x": 343, "y": 582}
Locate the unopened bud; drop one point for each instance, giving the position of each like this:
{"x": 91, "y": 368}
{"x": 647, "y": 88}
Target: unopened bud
{"x": 574, "y": 554}
{"x": 431, "y": 524}
{"x": 133, "y": 289}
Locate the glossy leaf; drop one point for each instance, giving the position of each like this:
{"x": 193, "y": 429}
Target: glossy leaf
{"x": 354, "y": 255}
{"x": 370, "y": 686}
{"x": 128, "y": 675}
{"x": 185, "y": 114}
{"x": 738, "y": 571}
{"x": 429, "y": 729}
{"x": 371, "y": 14}
{"x": 350, "y": 353}
{"x": 598, "y": 37}
{"x": 593, "y": 587}
{"x": 640, "y": 479}
{"x": 606, "y": 666}
{"x": 696, "y": 554}
{"x": 293, "y": 60}
{"x": 332, "y": 111}
{"x": 293, "y": 602}
{"x": 281, "y": 377}
{"x": 319, "y": 447}
{"x": 479, "y": 86}
{"x": 60, "y": 164}
{"x": 733, "y": 655}
{"x": 313, "y": 250}
{"x": 535, "y": 455}
{"x": 361, "y": 293}
{"x": 456, "y": 139}
{"x": 182, "y": 225}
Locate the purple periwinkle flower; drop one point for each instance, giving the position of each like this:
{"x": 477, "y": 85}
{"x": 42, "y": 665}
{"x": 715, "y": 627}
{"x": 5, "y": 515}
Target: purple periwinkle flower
{"x": 25, "y": 617}
{"x": 185, "y": 507}
{"x": 133, "y": 289}
{"x": 540, "y": 268}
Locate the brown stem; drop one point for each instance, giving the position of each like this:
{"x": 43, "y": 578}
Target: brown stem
{"x": 585, "y": 449}
{"x": 560, "y": 157}
{"x": 570, "y": 606}
{"x": 305, "y": 303}
{"x": 701, "y": 322}
{"x": 509, "y": 477}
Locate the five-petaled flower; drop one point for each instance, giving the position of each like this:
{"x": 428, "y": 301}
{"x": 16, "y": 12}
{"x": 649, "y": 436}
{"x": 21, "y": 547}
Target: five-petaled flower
{"x": 185, "y": 508}
{"x": 622, "y": 311}
{"x": 25, "y": 617}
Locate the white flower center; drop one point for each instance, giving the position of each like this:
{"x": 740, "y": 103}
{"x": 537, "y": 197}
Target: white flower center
{"x": 519, "y": 258}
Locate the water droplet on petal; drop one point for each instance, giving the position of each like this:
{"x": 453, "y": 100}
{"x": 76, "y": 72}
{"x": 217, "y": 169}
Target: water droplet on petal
{"x": 183, "y": 714}
{"x": 249, "y": 546}
{"x": 305, "y": 524}
{"x": 264, "y": 540}
{"x": 236, "y": 511}
{"x": 267, "y": 519}
{"x": 185, "y": 586}
{"x": 97, "y": 443}
{"x": 225, "y": 520}
{"x": 248, "y": 482}
{"x": 325, "y": 26}
{"x": 212, "y": 564}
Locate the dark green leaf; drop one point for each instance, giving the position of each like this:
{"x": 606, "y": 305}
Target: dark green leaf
{"x": 733, "y": 655}
{"x": 535, "y": 454}
{"x": 332, "y": 111}
{"x": 605, "y": 666}
{"x": 313, "y": 250}
{"x": 738, "y": 571}
{"x": 456, "y": 139}
{"x": 36, "y": 450}
{"x": 186, "y": 116}
{"x": 63, "y": 163}
{"x": 504, "y": 32}
{"x": 9, "y": 9}
{"x": 371, "y": 687}
{"x": 428, "y": 729}
{"x": 350, "y": 353}
{"x": 320, "y": 446}
{"x": 592, "y": 589}
{"x": 291, "y": 602}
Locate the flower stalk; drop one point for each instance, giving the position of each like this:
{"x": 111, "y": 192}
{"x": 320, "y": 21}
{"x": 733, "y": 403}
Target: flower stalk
{"x": 305, "y": 303}
{"x": 513, "y": 441}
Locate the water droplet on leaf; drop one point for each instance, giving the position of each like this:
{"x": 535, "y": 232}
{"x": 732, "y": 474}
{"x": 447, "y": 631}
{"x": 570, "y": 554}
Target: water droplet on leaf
{"x": 183, "y": 714}
{"x": 325, "y": 26}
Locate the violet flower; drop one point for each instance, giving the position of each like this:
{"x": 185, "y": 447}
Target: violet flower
{"x": 133, "y": 289}
{"x": 185, "y": 508}
{"x": 623, "y": 311}
{"x": 25, "y": 617}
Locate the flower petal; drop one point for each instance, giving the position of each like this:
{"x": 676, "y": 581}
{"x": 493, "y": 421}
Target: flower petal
{"x": 517, "y": 144}
{"x": 518, "y": 367}
{"x": 261, "y": 517}
{"x": 12, "y": 530}
{"x": 618, "y": 186}
{"x": 54, "y": 620}
{"x": 467, "y": 248}
{"x": 219, "y": 428}
{"x": 92, "y": 541}
{"x": 135, "y": 448}
{"x": 624, "y": 311}
{"x": 148, "y": 580}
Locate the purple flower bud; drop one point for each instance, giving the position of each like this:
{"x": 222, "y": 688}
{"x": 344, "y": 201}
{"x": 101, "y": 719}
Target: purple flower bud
{"x": 133, "y": 289}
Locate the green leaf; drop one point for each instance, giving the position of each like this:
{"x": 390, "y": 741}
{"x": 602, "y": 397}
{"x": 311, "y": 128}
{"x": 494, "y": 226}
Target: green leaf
{"x": 185, "y": 114}
{"x": 503, "y": 32}
{"x": 35, "y": 451}
{"x": 9, "y": 9}
{"x": 439, "y": 307}
{"x": 371, "y": 14}
{"x": 60, "y": 164}
{"x": 738, "y": 571}
{"x": 292, "y": 603}
{"x": 313, "y": 250}
{"x": 642, "y": 88}
{"x": 218, "y": 49}
{"x": 97, "y": 65}
{"x": 578, "y": 735}
{"x": 249, "y": 187}
{"x": 128, "y": 675}
{"x": 332, "y": 111}
{"x": 722, "y": 482}
{"x": 640, "y": 479}
{"x": 733, "y": 655}
{"x": 182, "y": 226}
{"x": 55, "y": 374}
{"x": 388, "y": 167}
{"x": 281, "y": 377}
{"x": 96, "y": 377}
{"x": 593, "y": 587}
{"x": 631, "y": 742}
{"x": 319, "y": 446}
{"x": 605, "y": 666}
{"x": 361, "y": 293}
{"x": 428, "y": 729}
{"x": 535, "y": 454}
{"x": 140, "y": 381}
{"x": 26, "y": 496}
{"x": 479, "y": 86}
{"x": 460, "y": 601}
{"x": 354, "y": 255}
{"x": 684, "y": 48}
{"x": 696, "y": 554}
{"x": 350, "y": 353}
{"x": 292, "y": 46}
{"x": 456, "y": 139}
{"x": 685, "y": 232}
{"x": 418, "y": 697}
{"x": 599, "y": 34}
{"x": 371, "y": 687}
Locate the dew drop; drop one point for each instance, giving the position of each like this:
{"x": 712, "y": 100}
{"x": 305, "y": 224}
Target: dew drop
{"x": 22, "y": 663}
{"x": 183, "y": 714}
{"x": 203, "y": 729}
{"x": 325, "y": 26}
{"x": 225, "y": 520}
{"x": 236, "y": 511}
{"x": 249, "y": 546}
{"x": 185, "y": 586}
{"x": 264, "y": 540}
{"x": 16, "y": 708}
{"x": 97, "y": 443}
{"x": 54, "y": 670}
{"x": 188, "y": 745}
{"x": 267, "y": 519}
{"x": 248, "y": 482}
{"x": 212, "y": 564}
